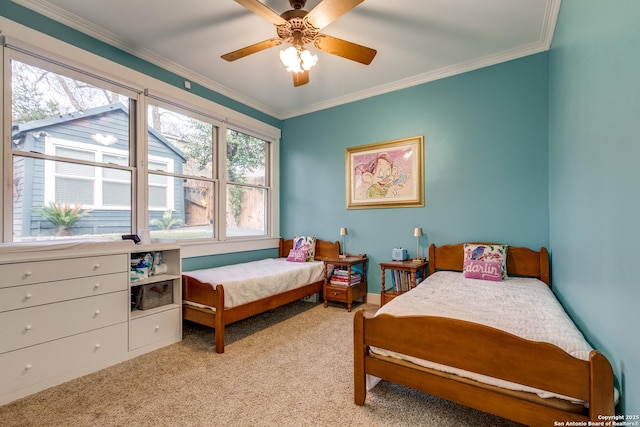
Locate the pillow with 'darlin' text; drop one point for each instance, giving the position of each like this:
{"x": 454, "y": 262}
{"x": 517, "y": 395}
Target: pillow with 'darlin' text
{"x": 485, "y": 270}
{"x": 297, "y": 255}
{"x": 487, "y": 253}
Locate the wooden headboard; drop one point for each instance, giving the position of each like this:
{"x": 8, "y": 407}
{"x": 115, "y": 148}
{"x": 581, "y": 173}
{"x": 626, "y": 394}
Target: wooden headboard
{"x": 324, "y": 248}
{"x": 520, "y": 261}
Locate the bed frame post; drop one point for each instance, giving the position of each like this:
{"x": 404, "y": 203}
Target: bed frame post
{"x": 219, "y": 319}
{"x": 359, "y": 378}
{"x": 601, "y": 399}
{"x": 544, "y": 266}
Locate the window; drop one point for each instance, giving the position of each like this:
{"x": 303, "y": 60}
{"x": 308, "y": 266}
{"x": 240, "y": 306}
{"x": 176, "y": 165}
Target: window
{"x": 181, "y": 199}
{"x": 70, "y": 145}
{"x": 247, "y": 185}
{"x": 91, "y": 156}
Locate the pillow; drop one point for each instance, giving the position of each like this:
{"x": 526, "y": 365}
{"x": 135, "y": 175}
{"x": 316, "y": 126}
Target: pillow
{"x": 475, "y": 252}
{"x": 307, "y": 243}
{"x": 485, "y": 270}
{"x": 297, "y": 255}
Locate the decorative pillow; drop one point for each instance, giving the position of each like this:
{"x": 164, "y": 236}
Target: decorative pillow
{"x": 486, "y": 270}
{"x": 473, "y": 252}
{"x": 297, "y": 255}
{"x": 307, "y": 243}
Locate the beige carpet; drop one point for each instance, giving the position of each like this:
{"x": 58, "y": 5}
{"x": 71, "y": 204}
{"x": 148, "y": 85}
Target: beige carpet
{"x": 289, "y": 367}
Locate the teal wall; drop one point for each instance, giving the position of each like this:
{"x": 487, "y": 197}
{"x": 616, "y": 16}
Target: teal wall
{"x": 196, "y": 263}
{"x": 485, "y": 155}
{"x": 594, "y": 184}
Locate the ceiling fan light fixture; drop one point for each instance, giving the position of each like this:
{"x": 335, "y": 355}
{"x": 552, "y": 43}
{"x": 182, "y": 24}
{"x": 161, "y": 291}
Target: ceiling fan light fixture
{"x": 308, "y": 60}
{"x": 297, "y": 61}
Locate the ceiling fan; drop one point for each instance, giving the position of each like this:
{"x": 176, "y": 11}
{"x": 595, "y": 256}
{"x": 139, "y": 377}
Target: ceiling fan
{"x": 299, "y": 28}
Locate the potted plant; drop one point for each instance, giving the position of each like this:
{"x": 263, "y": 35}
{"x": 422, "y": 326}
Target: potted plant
{"x": 63, "y": 215}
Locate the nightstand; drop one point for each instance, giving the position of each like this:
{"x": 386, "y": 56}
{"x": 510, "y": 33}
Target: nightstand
{"x": 343, "y": 284}
{"x": 403, "y": 275}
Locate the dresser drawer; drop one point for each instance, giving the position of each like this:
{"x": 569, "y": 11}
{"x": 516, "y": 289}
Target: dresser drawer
{"x": 35, "y": 325}
{"x": 27, "y": 273}
{"x": 45, "y": 293}
{"x": 61, "y": 360}
{"x": 156, "y": 327}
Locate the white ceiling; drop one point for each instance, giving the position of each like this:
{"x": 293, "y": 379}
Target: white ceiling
{"x": 417, "y": 41}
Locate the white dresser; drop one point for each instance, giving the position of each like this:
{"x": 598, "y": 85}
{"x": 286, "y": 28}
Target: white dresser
{"x": 65, "y": 311}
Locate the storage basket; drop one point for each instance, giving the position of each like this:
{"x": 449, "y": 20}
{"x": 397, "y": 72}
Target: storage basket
{"x": 154, "y": 295}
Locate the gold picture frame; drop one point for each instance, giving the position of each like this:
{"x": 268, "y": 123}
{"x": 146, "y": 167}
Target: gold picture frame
{"x": 386, "y": 174}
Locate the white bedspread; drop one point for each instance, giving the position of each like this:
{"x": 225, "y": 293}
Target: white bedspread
{"x": 254, "y": 280}
{"x": 520, "y": 306}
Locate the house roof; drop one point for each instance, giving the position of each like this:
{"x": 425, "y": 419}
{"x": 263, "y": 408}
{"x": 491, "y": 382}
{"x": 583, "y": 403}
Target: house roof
{"x": 20, "y": 130}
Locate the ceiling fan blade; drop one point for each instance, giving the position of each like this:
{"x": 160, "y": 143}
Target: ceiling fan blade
{"x": 328, "y": 11}
{"x": 248, "y": 50}
{"x": 263, "y": 11}
{"x": 300, "y": 79}
{"x": 345, "y": 49}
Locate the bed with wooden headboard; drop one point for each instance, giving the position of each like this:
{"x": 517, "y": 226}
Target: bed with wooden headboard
{"x": 483, "y": 350}
{"x": 204, "y": 301}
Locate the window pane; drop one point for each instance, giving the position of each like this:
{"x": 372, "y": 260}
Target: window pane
{"x": 76, "y": 190}
{"x": 48, "y": 207}
{"x": 191, "y": 214}
{"x": 45, "y": 104}
{"x": 74, "y": 169}
{"x": 246, "y": 211}
{"x": 116, "y": 175}
{"x": 116, "y": 159}
{"x": 116, "y": 194}
{"x": 246, "y": 158}
{"x": 157, "y": 179}
{"x": 158, "y": 197}
{"x": 190, "y": 139}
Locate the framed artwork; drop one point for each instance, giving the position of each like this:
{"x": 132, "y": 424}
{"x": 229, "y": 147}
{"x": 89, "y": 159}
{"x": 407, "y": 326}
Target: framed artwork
{"x": 386, "y": 174}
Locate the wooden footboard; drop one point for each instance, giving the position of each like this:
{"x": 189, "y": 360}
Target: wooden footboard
{"x": 486, "y": 351}
{"x": 196, "y": 291}
{"x": 213, "y": 296}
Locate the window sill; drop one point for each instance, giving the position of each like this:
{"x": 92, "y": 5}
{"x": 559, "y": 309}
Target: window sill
{"x": 195, "y": 249}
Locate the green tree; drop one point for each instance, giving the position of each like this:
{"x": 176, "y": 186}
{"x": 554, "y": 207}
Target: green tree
{"x": 245, "y": 154}
{"x": 28, "y": 100}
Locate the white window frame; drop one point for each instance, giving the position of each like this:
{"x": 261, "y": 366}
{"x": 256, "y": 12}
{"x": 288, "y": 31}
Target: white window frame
{"x": 24, "y": 39}
{"x": 52, "y": 143}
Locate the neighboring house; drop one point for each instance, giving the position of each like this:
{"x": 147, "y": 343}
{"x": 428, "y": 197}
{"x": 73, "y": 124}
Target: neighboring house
{"x": 99, "y": 135}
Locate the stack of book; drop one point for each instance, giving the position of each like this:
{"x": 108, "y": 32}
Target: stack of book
{"x": 402, "y": 280}
{"x": 341, "y": 278}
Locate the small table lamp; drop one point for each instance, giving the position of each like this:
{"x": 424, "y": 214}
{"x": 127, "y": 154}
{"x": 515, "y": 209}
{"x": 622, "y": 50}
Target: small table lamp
{"x": 417, "y": 233}
{"x": 343, "y": 232}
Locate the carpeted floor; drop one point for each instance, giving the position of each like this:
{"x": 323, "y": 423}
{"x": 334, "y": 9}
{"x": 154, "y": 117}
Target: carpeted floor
{"x": 289, "y": 367}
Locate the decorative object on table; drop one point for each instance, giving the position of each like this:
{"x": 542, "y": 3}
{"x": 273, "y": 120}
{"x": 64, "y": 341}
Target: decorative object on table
{"x": 343, "y": 232}
{"x": 386, "y": 175}
{"x": 417, "y": 233}
{"x": 399, "y": 254}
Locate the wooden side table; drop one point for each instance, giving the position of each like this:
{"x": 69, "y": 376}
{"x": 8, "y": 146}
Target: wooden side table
{"x": 340, "y": 288}
{"x": 410, "y": 268}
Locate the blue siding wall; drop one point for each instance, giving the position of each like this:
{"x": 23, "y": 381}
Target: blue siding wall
{"x": 485, "y": 156}
{"x": 594, "y": 192}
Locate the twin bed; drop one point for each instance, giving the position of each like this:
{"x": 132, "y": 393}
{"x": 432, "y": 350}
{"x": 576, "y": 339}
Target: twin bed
{"x": 475, "y": 342}
{"x": 505, "y": 347}
{"x": 219, "y": 296}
